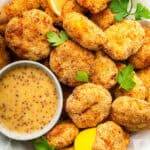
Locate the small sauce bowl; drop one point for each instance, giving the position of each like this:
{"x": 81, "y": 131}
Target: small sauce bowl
{"x": 30, "y": 136}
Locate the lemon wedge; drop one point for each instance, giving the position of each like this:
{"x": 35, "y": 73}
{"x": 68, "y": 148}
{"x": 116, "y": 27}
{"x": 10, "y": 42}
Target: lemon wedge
{"x": 56, "y": 6}
{"x": 85, "y": 139}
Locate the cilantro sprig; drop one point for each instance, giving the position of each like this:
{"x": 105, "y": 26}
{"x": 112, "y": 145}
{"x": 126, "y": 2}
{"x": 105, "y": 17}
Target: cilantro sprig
{"x": 125, "y": 78}
{"x": 57, "y": 39}
{"x": 42, "y": 144}
{"x": 120, "y": 8}
{"x": 82, "y": 76}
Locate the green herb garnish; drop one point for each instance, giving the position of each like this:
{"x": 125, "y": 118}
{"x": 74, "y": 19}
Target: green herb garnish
{"x": 120, "y": 8}
{"x": 82, "y": 76}
{"x": 125, "y": 78}
{"x": 141, "y": 12}
{"x": 57, "y": 39}
{"x": 42, "y": 144}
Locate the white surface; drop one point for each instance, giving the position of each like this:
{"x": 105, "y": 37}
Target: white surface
{"x": 138, "y": 141}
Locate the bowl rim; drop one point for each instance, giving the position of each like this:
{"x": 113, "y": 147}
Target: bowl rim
{"x": 22, "y": 136}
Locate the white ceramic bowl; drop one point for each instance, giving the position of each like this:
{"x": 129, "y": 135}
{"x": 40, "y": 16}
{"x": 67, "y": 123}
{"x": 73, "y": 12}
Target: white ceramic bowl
{"x": 25, "y": 137}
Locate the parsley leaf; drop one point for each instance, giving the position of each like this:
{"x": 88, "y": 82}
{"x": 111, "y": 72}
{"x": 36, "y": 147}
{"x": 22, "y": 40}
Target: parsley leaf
{"x": 42, "y": 144}
{"x": 57, "y": 39}
{"x": 82, "y": 76}
{"x": 141, "y": 12}
{"x": 125, "y": 78}
{"x": 119, "y": 7}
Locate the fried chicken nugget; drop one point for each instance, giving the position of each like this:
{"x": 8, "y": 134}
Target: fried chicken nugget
{"x": 104, "y": 71}
{"x": 103, "y": 19}
{"x": 84, "y": 31}
{"x": 144, "y": 75}
{"x": 94, "y": 6}
{"x": 4, "y": 57}
{"x": 26, "y": 35}
{"x": 142, "y": 58}
{"x": 131, "y": 113}
{"x": 62, "y": 135}
{"x": 88, "y": 105}
{"x": 16, "y": 7}
{"x": 110, "y": 136}
{"x": 68, "y": 59}
{"x": 139, "y": 91}
{"x": 72, "y": 6}
{"x": 124, "y": 39}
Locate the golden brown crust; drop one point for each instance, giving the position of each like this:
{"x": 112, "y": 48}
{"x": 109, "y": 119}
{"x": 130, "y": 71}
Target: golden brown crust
{"x": 110, "y": 136}
{"x": 84, "y": 31}
{"x": 142, "y": 58}
{"x": 124, "y": 39}
{"x": 16, "y": 7}
{"x": 94, "y": 6}
{"x": 62, "y": 135}
{"x": 69, "y": 58}
{"x": 4, "y": 57}
{"x": 139, "y": 91}
{"x": 144, "y": 75}
{"x": 104, "y": 71}
{"x": 131, "y": 113}
{"x": 26, "y": 35}
{"x": 88, "y": 105}
{"x": 104, "y": 19}
{"x": 68, "y": 148}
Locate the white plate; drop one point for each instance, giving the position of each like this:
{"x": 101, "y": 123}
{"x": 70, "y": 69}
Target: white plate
{"x": 138, "y": 141}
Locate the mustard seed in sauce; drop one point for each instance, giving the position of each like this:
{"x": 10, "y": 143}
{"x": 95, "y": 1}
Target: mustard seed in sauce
{"x": 28, "y": 100}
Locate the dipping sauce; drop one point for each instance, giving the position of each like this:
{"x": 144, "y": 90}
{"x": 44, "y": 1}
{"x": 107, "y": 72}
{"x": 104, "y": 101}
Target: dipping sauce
{"x": 28, "y": 99}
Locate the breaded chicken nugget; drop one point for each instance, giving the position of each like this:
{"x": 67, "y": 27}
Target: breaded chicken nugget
{"x": 139, "y": 91}
{"x": 131, "y": 113}
{"x": 88, "y": 105}
{"x": 16, "y": 7}
{"x": 142, "y": 58}
{"x": 72, "y": 6}
{"x": 144, "y": 75}
{"x": 94, "y": 6}
{"x": 68, "y": 59}
{"x": 62, "y": 135}
{"x": 124, "y": 39}
{"x": 26, "y": 35}
{"x": 110, "y": 136}
{"x": 104, "y": 19}
{"x": 4, "y": 57}
{"x": 104, "y": 70}
{"x": 84, "y": 31}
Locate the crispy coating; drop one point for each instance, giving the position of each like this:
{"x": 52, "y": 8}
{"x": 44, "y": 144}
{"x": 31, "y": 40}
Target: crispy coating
{"x": 68, "y": 148}
{"x": 139, "y": 91}
{"x": 15, "y": 8}
{"x": 69, "y": 58}
{"x": 104, "y": 19}
{"x": 110, "y": 136}
{"x": 84, "y": 31}
{"x": 144, "y": 75}
{"x": 72, "y": 6}
{"x": 104, "y": 71}
{"x": 62, "y": 135}
{"x": 4, "y": 57}
{"x": 124, "y": 39}
{"x": 45, "y": 6}
{"x": 142, "y": 58}
{"x": 94, "y": 6}
{"x": 26, "y": 35}
{"x": 88, "y": 105}
{"x": 3, "y": 28}
{"x": 131, "y": 113}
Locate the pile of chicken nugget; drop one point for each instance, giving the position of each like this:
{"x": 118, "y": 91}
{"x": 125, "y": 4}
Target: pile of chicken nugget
{"x": 97, "y": 45}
